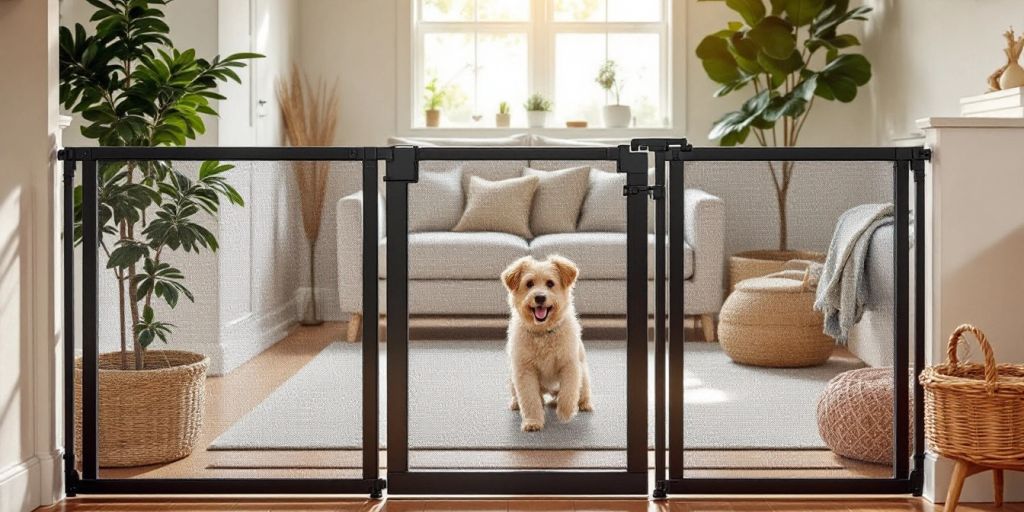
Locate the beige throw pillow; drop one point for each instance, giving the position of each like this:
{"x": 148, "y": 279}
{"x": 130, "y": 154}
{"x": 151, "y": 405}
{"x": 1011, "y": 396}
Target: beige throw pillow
{"x": 556, "y": 205}
{"x": 435, "y": 202}
{"x": 604, "y": 209}
{"x": 499, "y": 206}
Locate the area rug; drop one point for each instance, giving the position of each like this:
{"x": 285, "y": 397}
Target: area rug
{"x": 458, "y": 399}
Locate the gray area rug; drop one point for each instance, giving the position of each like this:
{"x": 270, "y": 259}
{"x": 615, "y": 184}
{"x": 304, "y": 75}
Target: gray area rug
{"x": 458, "y": 399}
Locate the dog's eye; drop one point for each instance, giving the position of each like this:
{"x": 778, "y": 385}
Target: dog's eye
{"x": 550, "y": 283}
{"x": 529, "y": 284}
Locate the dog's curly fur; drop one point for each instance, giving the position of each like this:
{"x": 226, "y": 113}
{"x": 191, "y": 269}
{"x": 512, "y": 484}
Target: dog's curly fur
{"x": 545, "y": 347}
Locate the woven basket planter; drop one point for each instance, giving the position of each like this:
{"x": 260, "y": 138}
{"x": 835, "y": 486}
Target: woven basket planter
{"x": 770, "y": 321}
{"x": 975, "y": 412}
{"x": 148, "y": 416}
{"x": 750, "y": 264}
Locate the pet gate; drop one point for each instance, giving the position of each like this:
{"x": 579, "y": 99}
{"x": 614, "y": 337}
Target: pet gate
{"x": 653, "y": 447}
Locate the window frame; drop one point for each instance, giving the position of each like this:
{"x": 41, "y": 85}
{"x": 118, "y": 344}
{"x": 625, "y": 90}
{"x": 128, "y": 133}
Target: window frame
{"x": 541, "y": 31}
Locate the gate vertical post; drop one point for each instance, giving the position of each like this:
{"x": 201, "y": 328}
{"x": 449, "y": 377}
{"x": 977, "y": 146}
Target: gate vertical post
{"x": 371, "y": 357}
{"x": 90, "y": 313}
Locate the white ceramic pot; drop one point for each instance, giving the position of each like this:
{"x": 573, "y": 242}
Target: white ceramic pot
{"x": 502, "y": 120}
{"x": 617, "y": 116}
{"x": 1012, "y": 77}
{"x": 536, "y": 118}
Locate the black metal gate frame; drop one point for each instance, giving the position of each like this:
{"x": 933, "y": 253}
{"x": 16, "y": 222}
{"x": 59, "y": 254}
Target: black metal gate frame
{"x": 402, "y": 170}
{"x": 671, "y": 478}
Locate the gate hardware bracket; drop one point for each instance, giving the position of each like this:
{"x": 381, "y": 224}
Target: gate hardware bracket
{"x": 655, "y": 191}
{"x": 403, "y": 166}
{"x": 659, "y": 144}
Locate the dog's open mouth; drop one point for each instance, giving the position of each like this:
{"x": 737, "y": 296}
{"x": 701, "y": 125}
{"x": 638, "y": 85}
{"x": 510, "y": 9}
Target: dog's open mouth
{"x": 540, "y": 313}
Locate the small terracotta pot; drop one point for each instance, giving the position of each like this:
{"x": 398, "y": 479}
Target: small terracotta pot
{"x": 433, "y": 118}
{"x": 502, "y": 120}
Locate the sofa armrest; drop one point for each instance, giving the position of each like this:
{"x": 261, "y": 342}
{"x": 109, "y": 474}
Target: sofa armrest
{"x": 704, "y": 229}
{"x": 350, "y": 249}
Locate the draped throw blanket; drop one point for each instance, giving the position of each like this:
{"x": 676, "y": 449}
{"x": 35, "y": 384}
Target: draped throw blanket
{"x": 842, "y": 290}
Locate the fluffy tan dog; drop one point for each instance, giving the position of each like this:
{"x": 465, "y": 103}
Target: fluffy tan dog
{"x": 545, "y": 350}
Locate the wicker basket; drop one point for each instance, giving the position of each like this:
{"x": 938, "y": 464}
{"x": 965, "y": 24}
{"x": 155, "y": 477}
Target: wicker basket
{"x": 750, "y": 264}
{"x": 146, "y": 416}
{"x": 975, "y": 412}
{"x": 770, "y": 321}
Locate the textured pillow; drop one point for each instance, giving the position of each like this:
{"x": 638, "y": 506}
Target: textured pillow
{"x": 556, "y": 205}
{"x": 604, "y": 209}
{"x": 499, "y": 206}
{"x": 435, "y": 203}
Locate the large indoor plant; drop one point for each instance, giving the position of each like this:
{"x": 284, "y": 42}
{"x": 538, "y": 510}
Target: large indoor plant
{"x": 133, "y": 88}
{"x": 784, "y": 55}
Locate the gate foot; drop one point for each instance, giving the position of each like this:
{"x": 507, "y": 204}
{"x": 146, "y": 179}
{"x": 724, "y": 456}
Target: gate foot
{"x": 659, "y": 491}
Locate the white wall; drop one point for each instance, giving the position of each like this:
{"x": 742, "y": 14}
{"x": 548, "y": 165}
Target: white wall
{"x": 928, "y": 54}
{"x": 30, "y": 339}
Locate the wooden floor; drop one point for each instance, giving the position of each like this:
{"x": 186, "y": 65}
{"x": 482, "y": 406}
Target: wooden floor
{"x": 254, "y": 505}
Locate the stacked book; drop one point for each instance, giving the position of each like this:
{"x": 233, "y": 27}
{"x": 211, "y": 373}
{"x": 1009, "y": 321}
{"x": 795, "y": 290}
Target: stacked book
{"x": 1006, "y": 103}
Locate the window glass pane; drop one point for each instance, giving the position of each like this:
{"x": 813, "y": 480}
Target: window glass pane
{"x": 634, "y": 10}
{"x": 502, "y": 72}
{"x": 447, "y": 10}
{"x": 638, "y": 60}
{"x": 503, "y": 10}
{"x": 448, "y": 57}
{"x": 578, "y": 57}
{"x": 579, "y": 10}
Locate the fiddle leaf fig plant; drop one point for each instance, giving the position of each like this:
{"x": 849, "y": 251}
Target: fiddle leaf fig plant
{"x": 785, "y": 54}
{"x": 133, "y": 88}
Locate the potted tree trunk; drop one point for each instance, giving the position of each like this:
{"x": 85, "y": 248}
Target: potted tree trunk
{"x": 775, "y": 53}
{"x": 134, "y": 88}
{"x": 617, "y": 115}
{"x": 504, "y": 117}
{"x": 537, "y": 108}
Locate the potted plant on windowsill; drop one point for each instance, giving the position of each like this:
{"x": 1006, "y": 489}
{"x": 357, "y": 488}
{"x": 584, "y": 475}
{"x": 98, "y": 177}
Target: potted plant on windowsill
{"x": 617, "y": 115}
{"x": 776, "y": 53}
{"x": 504, "y": 116}
{"x": 133, "y": 88}
{"x": 433, "y": 100}
{"x": 537, "y": 108}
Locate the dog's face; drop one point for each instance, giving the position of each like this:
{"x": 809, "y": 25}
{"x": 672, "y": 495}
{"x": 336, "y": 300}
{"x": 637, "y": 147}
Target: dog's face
{"x": 540, "y": 292}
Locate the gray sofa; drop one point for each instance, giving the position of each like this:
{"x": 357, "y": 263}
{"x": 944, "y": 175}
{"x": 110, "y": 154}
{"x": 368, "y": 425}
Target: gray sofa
{"x": 456, "y": 273}
{"x": 871, "y": 339}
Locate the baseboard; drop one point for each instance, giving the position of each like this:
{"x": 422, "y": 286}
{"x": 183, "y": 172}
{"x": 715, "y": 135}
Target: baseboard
{"x": 247, "y": 337}
{"x": 977, "y": 488}
{"x": 20, "y": 486}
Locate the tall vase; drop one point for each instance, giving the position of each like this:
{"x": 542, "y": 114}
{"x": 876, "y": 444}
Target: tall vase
{"x": 1013, "y": 76}
{"x": 310, "y": 312}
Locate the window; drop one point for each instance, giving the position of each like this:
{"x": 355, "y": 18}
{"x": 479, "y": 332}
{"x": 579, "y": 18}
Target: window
{"x": 480, "y": 53}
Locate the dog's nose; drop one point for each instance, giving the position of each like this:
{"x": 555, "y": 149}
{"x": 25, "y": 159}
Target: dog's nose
{"x": 540, "y": 299}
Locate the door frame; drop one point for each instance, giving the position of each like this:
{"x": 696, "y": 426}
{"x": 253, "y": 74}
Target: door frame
{"x": 402, "y": 171}
{"x": 670, "y": 477}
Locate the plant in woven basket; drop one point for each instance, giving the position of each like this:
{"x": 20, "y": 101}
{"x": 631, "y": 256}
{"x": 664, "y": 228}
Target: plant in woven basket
{"x": 133, "y": 88}
{"x": 310, "y": 117}
{"x": 790, "y": 52}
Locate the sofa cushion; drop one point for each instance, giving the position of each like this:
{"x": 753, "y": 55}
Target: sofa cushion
{"x": 601, "y": 255}
{"x": 499, "y": 206}
{"x": 604, "y": 208}
{"x": 557, "y": 202}
{"x": 448, "y": 255}
{"x": 436, "y": 201}
{"x": 519, "y": 139}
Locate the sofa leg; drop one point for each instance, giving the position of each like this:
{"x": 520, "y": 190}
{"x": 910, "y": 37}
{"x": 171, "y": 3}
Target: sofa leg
{"x": 707, "y": 321}
{"x": 355, "y": 323}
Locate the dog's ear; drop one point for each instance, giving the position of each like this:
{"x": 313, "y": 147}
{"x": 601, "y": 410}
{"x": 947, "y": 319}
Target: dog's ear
{"x": 513, "y": 274}
{"x": 567, "y": 270}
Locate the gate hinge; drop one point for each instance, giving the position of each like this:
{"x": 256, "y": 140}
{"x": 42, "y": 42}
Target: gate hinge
{"x": 659, "y": 144}
{"x": 654, "y": 191}
{"x": 403, "y": 166}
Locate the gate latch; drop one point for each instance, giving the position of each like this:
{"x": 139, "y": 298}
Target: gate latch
{"x": 654, "y": 191}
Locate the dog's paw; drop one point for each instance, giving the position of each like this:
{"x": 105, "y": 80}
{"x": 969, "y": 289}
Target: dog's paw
{"x": 513, "y": 405}
{"x": 586, "y": 406}
{"x": 532, "y": 426}
{"x": 566, "y": 413}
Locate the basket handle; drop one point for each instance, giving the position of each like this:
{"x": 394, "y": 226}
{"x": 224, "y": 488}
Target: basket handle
{"x": 991, "y": 372}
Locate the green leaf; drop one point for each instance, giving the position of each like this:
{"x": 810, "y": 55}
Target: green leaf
{"x": 775, "y": 36}
{"x": 717, "y": 61}
{"x": 781, "y": 67}
{"x": 802, "y": 12}
{"x": 751, "y": 10}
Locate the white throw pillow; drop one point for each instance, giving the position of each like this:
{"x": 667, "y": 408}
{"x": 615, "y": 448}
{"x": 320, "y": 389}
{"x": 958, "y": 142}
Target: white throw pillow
{"x": 436, "y": 201}
{"x": 557, "y": 202}
{"x": 604, "y": 209}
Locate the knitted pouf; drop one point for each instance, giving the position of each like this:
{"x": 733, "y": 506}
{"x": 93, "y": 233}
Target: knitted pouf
{"x": 770, "y": 321}
{"x": 855, "y": 414}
